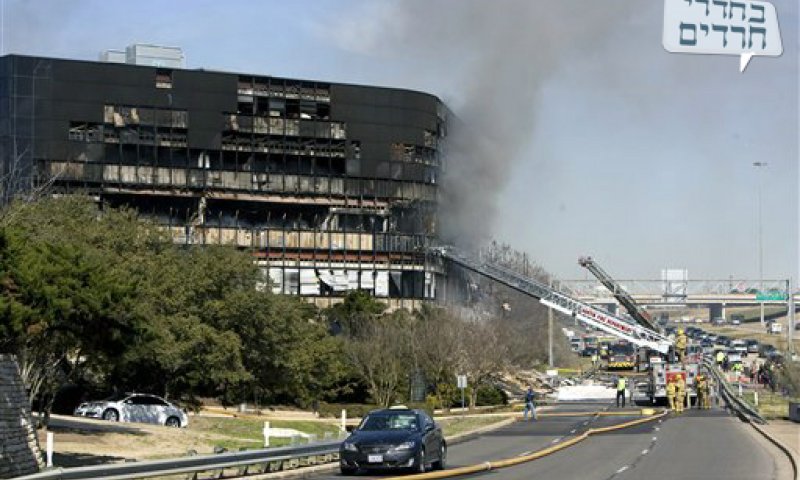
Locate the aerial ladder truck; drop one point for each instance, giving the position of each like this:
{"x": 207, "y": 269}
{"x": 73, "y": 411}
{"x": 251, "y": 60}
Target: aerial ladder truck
{"x": 661, "y": 367}
{"x": 643, "y": 336}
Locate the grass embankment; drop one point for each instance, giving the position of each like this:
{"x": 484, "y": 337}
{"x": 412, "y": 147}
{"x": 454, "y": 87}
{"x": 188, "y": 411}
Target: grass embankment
{"x": 89, "y": 445}
{"x": 237, "y": 433}
{"x": 770, "y": 405}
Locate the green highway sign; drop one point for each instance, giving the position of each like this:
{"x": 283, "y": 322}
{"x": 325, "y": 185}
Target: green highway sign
{"x": 766, "y": 296}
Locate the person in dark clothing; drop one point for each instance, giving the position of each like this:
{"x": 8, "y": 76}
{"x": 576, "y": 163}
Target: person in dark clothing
{"x": 530, "y": 405}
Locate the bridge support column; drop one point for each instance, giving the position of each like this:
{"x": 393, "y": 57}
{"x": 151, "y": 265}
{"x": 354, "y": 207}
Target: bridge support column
{"x": 715, "y": 310}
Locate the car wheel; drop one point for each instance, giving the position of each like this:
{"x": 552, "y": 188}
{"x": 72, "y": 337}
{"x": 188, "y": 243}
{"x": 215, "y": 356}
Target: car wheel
{"x": 348, "y": 470}
{"x": 441, "y": 464}
{"x": 111, "y": 415}
{"x": 419, "y": 462}
{"x": 173, "y": 422}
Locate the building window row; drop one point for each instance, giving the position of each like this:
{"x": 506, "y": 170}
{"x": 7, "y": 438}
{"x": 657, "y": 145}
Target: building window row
{"x": 337, "y": 282}
{"x": 125, "y": 172}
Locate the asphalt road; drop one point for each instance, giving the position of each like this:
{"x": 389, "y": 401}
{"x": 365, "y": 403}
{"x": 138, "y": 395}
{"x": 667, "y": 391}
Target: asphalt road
{"x": 518, "y": 438}
{"x": 696, "y": 445}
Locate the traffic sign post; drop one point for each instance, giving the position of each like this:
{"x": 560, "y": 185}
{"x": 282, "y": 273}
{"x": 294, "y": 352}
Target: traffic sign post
{"x": 461, "y": 383}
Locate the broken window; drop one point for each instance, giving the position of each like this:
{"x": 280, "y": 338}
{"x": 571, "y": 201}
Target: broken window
{"x": 244, "y": 104}
{"x": 244, "y": 86}
{"x": 308, "y": 110}
{"x": 163, "y": 78}
{"x": 277, "y": 107}
{"x": 323, "y": 111}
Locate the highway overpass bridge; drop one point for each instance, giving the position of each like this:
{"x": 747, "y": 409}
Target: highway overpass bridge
{"x": 716, "y": 295}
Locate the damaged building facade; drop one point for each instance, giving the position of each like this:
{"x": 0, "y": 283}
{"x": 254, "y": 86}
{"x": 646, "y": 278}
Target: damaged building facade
{"x": 331, "y": 187}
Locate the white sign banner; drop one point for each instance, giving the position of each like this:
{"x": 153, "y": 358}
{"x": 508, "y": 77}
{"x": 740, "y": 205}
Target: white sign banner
{"x": 744, "y": 28}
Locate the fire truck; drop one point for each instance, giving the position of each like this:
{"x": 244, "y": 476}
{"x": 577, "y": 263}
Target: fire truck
{"x": 621, "y": 356}
{"x": 655, "y": 349}
{"x": 662, "y": 367}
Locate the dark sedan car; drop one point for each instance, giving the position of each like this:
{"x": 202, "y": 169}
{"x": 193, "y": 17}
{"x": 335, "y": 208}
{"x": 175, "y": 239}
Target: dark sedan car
{"x": 394, "y": 438}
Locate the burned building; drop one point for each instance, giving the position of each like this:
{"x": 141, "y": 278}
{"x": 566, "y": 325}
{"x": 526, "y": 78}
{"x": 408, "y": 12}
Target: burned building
{"x": 331, "y": 187}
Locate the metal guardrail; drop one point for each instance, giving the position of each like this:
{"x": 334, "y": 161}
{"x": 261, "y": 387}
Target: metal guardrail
{"x": 738, "y": 405}
{"x": 273, "y": 459}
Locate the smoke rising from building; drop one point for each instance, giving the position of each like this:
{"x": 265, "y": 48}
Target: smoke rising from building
{"x": 490, "y": 60}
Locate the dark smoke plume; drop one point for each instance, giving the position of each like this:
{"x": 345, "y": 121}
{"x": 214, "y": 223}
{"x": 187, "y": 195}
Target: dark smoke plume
{"x": 489, "y": 61}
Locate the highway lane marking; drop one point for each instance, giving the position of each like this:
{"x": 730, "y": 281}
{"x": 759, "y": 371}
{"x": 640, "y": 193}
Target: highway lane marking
{"x": 525, "y": 453}
{"x": 556, "y": 440}
{"x": 623, "y": 469}
{"x": 656, "y": 428}
{"x": 645, "y": 451}
{"x": 573, "y": 430}
{"x": 655, "y": 438}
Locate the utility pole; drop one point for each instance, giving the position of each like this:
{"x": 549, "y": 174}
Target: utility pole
{"x": 760, "y": 166}
{"x": 790, "y": 303}
{"x": 550, "y": 333}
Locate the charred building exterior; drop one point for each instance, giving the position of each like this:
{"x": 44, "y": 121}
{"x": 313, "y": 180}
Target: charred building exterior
{"x": 332, "y": 187}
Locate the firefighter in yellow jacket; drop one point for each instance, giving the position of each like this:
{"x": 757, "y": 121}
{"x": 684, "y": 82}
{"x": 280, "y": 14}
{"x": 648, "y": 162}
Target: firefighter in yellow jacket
{"x": 680, "y": 394}
{"x": 680, "y": 345}
{"x": 671, "y": 393}
{"x": 702, "y": 391}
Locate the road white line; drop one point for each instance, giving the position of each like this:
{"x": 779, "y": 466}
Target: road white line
{"x": 656, "y": 428}
{"x": 623, "y": 469}
{"x": 655, "y": 438}
{"x": 523, "y": 454}
{"x": 645, "y": 451}
{"x": 573, "y": 430}
{"x": 556, "y": 440}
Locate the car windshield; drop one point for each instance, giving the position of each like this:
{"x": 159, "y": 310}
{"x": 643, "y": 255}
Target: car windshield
{"x": 390, "y": 421}
{"x": 116, "y": 397}
{"x": 621, "y": 349}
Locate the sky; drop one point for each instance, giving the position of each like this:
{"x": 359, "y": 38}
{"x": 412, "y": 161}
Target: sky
{"x": 586, "y": 136}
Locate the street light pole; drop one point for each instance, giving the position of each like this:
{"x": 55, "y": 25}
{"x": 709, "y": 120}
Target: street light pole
{"x": 760, "y": 165}
{"x": 550, "y": 334}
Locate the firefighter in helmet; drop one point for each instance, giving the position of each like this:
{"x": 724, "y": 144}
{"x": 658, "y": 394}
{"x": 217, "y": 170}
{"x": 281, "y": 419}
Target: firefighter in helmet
{"x": 671, "y": 393}
{"x": 680, "y": 345}
{"x": 680, "y": 394}
{"x": 702, "y": 390}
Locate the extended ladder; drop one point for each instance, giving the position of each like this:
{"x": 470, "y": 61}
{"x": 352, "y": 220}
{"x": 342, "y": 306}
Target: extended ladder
{"x": 636, "y": 311}
{"x": 612, "y": 324}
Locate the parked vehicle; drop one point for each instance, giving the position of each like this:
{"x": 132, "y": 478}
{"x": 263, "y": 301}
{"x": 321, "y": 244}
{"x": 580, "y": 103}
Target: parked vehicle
{"x": 589, "y": 351}
{"x": 774, "y": 327}
{"x": 764, "y": 349}
{"x": 394, "y": 438}
{"x": 135, "y": 407}
{"x": 752, "y": 346}
{"x": 739, "y": 345}
{"x": 734, "y": 356}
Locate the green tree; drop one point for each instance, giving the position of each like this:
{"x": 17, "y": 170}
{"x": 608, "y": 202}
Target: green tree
{"x": 62, "y": 285}
{"x": 357, "y": 308}
{"x": 290, "y": 353}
